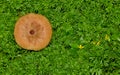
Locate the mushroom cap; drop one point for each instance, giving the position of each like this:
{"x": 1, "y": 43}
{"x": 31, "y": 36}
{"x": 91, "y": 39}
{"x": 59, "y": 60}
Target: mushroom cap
{"x": 33, "y": 32}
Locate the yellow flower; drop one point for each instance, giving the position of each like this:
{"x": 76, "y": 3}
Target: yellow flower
{"x": 98, "y": 43}
{"x": 107, "y": 37}
{"x": 81, "y": 47}
{"x": 94, "y": 42}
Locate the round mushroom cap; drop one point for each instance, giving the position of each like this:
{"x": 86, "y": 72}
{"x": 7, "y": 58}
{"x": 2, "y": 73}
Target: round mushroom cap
{"x": 33, "y": 32}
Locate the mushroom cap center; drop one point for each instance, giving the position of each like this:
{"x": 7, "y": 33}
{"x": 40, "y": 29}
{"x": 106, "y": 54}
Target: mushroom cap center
{"x": 32, "y": 32}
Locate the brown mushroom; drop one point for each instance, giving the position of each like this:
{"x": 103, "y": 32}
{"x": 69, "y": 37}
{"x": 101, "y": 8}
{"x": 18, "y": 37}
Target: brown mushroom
{"x": 33, "y": 32}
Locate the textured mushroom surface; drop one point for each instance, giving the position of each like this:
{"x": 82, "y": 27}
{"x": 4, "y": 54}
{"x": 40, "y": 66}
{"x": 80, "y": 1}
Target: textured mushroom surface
{"x": 33, "y": 32}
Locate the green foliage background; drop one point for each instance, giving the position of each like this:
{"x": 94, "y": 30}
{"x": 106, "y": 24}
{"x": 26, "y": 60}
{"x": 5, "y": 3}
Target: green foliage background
{"x": 74, "y": 23}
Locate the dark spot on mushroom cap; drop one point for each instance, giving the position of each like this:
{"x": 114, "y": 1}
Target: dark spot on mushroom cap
{"x": 32, "y": 32}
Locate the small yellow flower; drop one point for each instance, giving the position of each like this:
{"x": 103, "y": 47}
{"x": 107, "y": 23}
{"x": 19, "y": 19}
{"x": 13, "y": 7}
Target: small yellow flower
{"x": 107, "y": 37}
{"x": 98, "y": 43}
{"x": 94, "y": 42}
{"x": 81, "y": 47}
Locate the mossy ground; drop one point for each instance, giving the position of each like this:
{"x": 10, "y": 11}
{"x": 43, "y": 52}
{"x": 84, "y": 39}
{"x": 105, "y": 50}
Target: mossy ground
{"x": 93, "y": 24}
